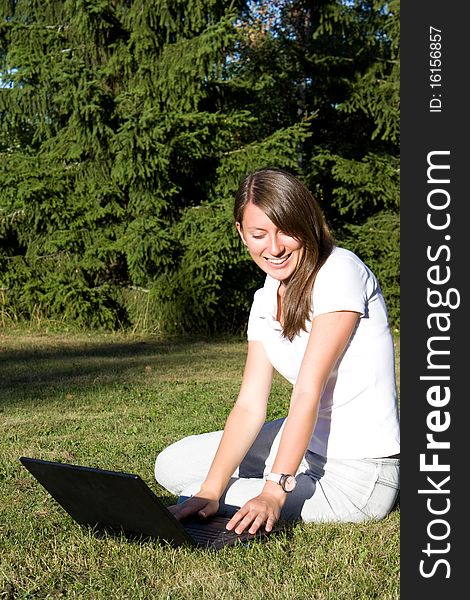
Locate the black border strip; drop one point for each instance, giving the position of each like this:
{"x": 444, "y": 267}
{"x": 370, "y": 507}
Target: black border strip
{"x": 434, "y": 290}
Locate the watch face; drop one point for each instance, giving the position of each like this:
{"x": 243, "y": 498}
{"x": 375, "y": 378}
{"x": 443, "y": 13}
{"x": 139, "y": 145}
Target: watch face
{"x": 288, "y": 484}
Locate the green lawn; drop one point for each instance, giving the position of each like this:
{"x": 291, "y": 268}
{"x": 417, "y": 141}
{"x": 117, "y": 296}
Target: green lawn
{"x": 114, "y": 402}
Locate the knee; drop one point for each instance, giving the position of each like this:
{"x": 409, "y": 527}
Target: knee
{"x": 186, "y": 461}
{"x": 167, "y": 466}
{"x": 382, "y": 502}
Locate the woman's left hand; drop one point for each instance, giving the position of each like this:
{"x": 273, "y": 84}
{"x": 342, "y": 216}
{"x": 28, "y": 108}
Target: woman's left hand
{"x": 264, "y": 509}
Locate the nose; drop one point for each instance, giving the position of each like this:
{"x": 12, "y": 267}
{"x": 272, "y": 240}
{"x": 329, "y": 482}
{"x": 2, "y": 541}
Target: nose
{"x": 275, "y": 246}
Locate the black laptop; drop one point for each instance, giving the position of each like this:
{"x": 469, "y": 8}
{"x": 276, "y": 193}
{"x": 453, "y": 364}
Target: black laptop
{"x": 123, "y": 504}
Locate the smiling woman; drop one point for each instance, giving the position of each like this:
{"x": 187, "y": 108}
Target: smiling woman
{"x": 287, "y": 236}
{"x": 275, "y": 252}
{"x": 320, "y": 320}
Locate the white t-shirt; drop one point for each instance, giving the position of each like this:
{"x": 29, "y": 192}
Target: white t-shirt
{"x": 358, "y": 415}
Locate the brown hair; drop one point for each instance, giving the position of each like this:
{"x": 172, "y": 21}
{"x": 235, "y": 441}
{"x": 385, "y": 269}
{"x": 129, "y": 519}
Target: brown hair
{"x": 294, "y": 210}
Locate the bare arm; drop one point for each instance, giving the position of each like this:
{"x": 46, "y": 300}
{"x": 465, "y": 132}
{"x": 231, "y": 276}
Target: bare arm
{"x": 242, "y": 426}
{"x": 328, "y": 339}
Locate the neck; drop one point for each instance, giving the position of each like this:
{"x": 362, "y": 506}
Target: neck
{"x": 280, "y": 293}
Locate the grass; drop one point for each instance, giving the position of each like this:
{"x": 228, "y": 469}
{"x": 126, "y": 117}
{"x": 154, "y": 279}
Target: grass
{"x": 115, "y": 401}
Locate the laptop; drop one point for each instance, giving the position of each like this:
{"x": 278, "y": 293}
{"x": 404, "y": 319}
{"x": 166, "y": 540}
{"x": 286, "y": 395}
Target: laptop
{"x": 123, "y": 504}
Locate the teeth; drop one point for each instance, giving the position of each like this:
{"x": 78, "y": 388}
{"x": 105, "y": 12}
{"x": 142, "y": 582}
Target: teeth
{"x": 277, "y": 261}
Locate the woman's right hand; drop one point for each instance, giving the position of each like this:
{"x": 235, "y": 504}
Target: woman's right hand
{"x": 196, "y": 505}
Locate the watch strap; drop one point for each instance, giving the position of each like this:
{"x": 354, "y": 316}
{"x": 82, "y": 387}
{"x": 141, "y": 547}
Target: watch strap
{"x": 276, "y": 477}
{"x": 286, "y": 482}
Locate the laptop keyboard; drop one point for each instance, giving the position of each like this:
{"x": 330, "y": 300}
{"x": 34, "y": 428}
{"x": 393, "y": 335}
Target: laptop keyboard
{"x": 213, "y": 532}
{"x": 211, "y": 535}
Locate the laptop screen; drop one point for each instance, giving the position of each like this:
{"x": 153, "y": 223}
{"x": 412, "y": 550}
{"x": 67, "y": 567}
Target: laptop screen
{"x": 107, "y": 500}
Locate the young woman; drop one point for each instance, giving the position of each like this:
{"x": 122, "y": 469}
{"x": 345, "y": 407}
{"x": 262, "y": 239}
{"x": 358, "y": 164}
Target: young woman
{"x": 321, "y": 322}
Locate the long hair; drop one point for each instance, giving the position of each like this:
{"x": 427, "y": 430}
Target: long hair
{"x": 293, "y": 209}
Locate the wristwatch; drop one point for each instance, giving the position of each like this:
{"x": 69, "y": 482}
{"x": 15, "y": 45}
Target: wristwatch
{"x": 287, "y": 482}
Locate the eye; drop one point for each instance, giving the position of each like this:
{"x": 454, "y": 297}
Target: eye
{"x": 289, "y": 235}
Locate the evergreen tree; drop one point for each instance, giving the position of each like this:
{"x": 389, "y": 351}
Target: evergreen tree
{"x": 127, "y": 125}
{"x": 363, "y": 175}
{"x": 335, "y": 65}
{"x": 104, "y": 132}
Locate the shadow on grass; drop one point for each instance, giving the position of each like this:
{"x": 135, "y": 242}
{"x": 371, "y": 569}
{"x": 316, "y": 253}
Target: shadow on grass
{"x": 60, "y": 364}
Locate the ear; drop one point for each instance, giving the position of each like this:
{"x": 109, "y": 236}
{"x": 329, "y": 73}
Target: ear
{"x": 240, "y": 231}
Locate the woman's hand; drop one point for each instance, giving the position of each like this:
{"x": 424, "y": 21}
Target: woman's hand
{"x": 264, "y": 509}
{"x": 203, "y": 507}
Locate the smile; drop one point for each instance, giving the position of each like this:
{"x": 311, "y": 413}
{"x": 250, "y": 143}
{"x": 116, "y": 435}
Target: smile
{"x": 278, "y": 261}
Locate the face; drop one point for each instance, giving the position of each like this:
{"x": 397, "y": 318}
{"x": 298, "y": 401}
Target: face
{"x": 275, "y": 252}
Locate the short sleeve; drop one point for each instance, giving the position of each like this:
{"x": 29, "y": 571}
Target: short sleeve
{"x": 343, "y": 283}
{"x": 263, "y": 310}
{"x": 256, "y": 318}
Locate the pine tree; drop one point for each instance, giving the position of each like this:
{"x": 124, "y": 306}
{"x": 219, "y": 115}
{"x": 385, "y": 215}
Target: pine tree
{"x": 335, "y": 65}
{"x": 103, "y": 133}
{"x": 365, "y": 179}
{"x": 127, "y": 125}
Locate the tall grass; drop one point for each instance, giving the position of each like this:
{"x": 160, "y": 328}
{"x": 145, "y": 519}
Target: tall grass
{"x": 114, "y": 402}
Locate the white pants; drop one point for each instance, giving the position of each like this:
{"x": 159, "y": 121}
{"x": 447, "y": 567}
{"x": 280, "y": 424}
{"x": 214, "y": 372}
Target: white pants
{"x": 327, "y": 489}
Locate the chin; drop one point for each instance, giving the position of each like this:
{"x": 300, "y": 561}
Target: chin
{"x": 280, "y": 276}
